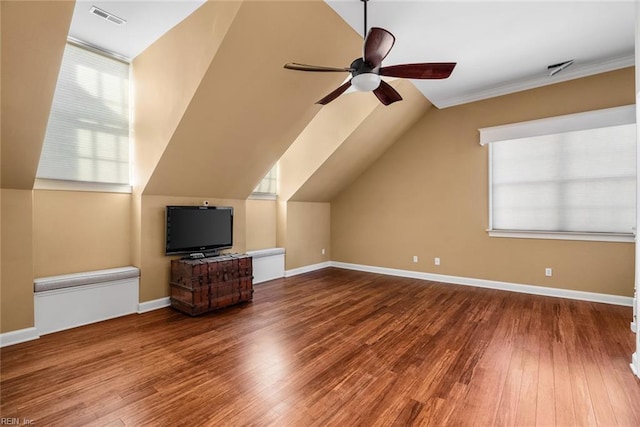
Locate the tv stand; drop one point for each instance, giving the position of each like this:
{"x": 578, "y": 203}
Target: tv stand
{"x": 206, "y": 284}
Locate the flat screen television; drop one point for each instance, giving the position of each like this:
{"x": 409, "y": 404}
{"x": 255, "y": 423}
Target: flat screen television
{"x": 198, "y": 230}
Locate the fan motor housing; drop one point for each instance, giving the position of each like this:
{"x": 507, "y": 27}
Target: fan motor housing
{"x": 360, "y": 66}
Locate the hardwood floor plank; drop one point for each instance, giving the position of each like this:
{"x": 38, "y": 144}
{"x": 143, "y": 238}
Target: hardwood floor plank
{"x": 335, "y": 348}
{"x": 569, "y": 321}
{"x": 530, "y": 343}
{"x": 546, "y": 399}
{"x": 565, "y": 411}
{"x": 508, "y": 407}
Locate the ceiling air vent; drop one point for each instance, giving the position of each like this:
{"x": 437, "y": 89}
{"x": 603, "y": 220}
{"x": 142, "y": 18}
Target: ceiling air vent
{"x": 556, "y": 68}
{"x": 106, "y": 15}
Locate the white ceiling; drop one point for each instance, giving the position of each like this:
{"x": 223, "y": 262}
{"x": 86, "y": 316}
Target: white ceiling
{"x": 500, "y": 46}
{"x": 147, "y": 20}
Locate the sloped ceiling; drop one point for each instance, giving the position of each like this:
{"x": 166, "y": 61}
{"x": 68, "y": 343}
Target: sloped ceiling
{"x": 343, "y": 140}
{"x": 369, "y": 139}
{"x": 247, "y": 109}
{"x": 320, "y": 139}
{"x": 34, "y": 34}
{"x": 167, "y": 75}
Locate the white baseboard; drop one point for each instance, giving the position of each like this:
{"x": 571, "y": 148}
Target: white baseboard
{"x": 16, "y": 337}
{"x": 635, "y": 364}
{"x": 492, "y": 284}
{"x": 28, "y": 334}
{"x": 307, "y": 269}
{"x": 155, "y": 304}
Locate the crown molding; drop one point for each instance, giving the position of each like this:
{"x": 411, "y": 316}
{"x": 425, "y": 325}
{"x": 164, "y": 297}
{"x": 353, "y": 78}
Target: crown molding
{"x": 575, "y": 72}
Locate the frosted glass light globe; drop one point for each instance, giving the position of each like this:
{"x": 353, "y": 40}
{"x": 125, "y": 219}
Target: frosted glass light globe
{"x": 366, "y": 82}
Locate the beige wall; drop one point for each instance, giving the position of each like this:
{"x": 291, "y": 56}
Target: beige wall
{"x": 308, "y": 231}
{"x": 34, "y": 34}
{"x": 16, "y": 296}
{"x": 281, "y": 224}
{"x": 0, "y": 177}
{"x": 76, "y": 231}
{"x": 261, "y": 224}
{"x": 167, "y": 74}
{"x": 193, "y": 107}
{"x": 155, "y": 265}
{"x": 47, "y": 233}
{"x": 427, "y": 196}
{"x": 135, "y": 226}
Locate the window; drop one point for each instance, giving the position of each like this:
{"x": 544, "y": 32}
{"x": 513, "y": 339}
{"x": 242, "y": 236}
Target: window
{"x": 87, "y": 137}
{"x": 570, "y": 177}
{"x": 268, "y": 187}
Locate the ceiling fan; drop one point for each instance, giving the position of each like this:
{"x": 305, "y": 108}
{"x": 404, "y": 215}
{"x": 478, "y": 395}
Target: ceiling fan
{"x": 366, "y": 71}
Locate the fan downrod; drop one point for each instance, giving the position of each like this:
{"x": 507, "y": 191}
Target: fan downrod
{"x": 364, "y": 33}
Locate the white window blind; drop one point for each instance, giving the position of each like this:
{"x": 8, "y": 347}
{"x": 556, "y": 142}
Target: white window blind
{"x": 575, "y": 174}
{"x": 268, "y": 187}
{"x": 87, "y": 137}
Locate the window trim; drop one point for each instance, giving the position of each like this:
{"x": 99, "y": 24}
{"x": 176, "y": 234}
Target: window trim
{"x": 564, "y": 235}
{"x": 606, "y": 117}
{"x": 97, "y": 49}
{"x": 572, "y": 122}
{"x": 263, "y": 196}
{"x": 66, "y": 185}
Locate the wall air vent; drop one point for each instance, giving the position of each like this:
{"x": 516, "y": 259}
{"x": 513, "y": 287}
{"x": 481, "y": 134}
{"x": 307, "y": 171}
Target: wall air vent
{"x": 106, "y": 15}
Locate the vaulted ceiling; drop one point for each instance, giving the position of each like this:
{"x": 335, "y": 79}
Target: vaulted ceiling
{"x": 500, "y": 46}
{"x": 33, "y": 39}
{"x": 247, "y": 109}
{"x": 215, "y": 109}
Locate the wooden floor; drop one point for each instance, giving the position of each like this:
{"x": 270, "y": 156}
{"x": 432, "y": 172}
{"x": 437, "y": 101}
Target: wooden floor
{"x": 341, "y": 348}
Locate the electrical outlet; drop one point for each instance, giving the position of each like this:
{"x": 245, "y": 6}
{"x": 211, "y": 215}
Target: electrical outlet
{"x": 322, "y": 251}
{"x": 415, "y": 258}
{"x": 436, "y": 261}
{"x": 548, "y": 272}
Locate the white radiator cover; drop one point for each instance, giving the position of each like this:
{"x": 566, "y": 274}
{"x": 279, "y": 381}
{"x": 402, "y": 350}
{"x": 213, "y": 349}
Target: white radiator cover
{"x": 68, "y": 301}
{"x": 268, "y": 264}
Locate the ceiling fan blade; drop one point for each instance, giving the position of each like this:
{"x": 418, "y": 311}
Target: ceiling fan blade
{"x": 433, "y": 70}
{"x": 305, "y": 67}
{"x": 377, "y": 46}
{"x": 386, "y": 93}
{"x": 336, "y": 93}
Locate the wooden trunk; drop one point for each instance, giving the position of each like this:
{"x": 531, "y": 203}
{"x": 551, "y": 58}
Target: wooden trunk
{"x": 202, "y": 285}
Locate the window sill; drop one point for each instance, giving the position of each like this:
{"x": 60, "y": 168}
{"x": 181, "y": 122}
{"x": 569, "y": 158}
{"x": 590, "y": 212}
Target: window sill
{"x": 98, "y": 187}
{"x": 263, "y": 196}
{"x": 551, "y": 235}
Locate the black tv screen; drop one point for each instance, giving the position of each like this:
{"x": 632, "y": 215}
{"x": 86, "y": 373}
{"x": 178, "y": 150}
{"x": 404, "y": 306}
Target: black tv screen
{"x": 198, "y": 229}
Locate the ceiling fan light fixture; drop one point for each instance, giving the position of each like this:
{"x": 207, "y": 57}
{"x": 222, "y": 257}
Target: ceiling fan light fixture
{"x": 366, "y": 82}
